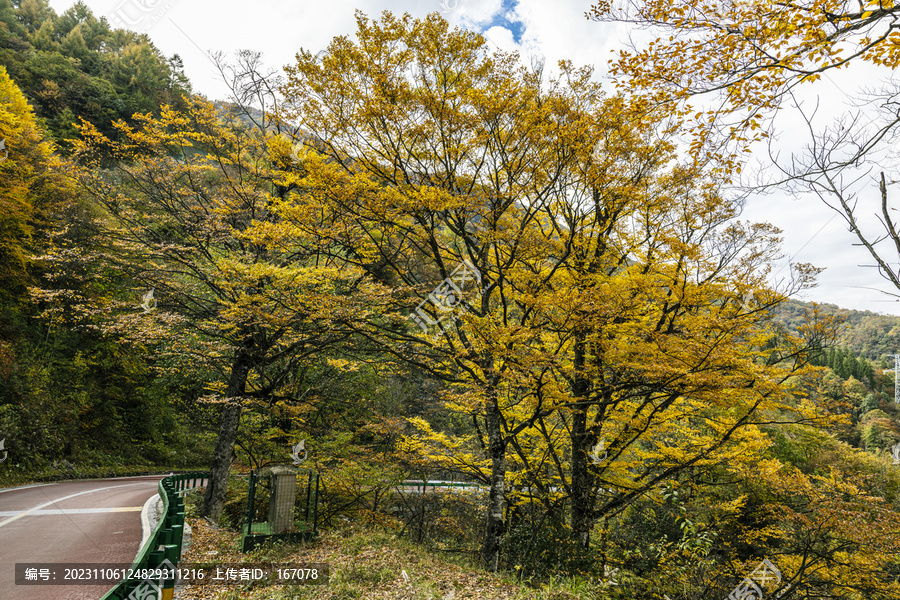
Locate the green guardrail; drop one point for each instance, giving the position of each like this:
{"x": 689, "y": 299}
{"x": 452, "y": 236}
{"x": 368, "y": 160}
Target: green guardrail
{"x": 418, "y": 484}
{"x": 164, "y": 543}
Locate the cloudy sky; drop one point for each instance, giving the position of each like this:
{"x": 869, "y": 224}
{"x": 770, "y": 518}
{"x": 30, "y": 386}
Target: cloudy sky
{"x": 551, "y": 31}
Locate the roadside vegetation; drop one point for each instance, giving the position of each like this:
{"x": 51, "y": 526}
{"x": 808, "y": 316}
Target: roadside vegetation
{"x": 425, "y": 261}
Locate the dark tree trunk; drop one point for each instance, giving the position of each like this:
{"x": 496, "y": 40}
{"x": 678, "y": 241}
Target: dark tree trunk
{"x": 490, "y": 550}
{"x": 582, "y": 480}
{"x": 582, "y": 442}
{"x": 217, "y": 486}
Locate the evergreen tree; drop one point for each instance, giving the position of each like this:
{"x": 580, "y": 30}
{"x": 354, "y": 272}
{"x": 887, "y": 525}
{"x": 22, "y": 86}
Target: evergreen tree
{"x": 74, "y": 66}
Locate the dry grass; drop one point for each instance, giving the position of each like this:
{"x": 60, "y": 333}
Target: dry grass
{"x": 364, "y": 565}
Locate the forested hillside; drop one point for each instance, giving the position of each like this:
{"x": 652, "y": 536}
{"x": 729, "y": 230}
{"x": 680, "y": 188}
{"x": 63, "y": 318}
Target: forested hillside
{"x": 74, "y": 400}
{"x": 867, "y": 334}
{"x": 74, "y": 66}
{"x": 465, "y": 269}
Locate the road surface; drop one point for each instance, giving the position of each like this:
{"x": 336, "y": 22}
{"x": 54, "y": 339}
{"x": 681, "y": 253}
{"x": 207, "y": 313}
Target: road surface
{"x": 97, "y": 521}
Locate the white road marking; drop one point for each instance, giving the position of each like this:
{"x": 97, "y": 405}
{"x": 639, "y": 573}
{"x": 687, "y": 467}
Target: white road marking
{"x": 34, "y": 485}
{"x": 40, "y": 506}
{"x": 69, "y": 511}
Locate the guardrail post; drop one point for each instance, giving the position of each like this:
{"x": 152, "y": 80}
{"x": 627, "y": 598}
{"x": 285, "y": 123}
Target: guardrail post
{"x": 177, "y": 536}
{"x": 251, "y": 501}
{"x": 155, "y": 558}
{"x": 308, "y": 496}
{"x": 172, "y": 555}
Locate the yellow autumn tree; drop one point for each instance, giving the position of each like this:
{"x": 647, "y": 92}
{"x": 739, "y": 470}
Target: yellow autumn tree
{"x": 185, "y": 208}
{"x": 32, "y": 185}
{"x": 746, "y": 57}
{"x": 540, "y": 248}
{"x": 739, "y": 62}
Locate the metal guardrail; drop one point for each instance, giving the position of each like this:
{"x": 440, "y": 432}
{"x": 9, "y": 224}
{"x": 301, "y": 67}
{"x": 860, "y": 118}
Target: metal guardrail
{"x": 165, "y": 541}
{"x": 421, "y": 487}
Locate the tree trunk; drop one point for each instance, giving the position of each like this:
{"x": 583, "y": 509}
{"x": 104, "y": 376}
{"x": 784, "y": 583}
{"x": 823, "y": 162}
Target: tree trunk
{"x": 490, "y": 550}
{"x": 217, "y": 485}
{"x": 582, "y": 481}
{"x": 582, "y": 442}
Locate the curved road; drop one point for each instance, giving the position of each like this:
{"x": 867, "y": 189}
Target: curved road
{"x": 97, "y": 521}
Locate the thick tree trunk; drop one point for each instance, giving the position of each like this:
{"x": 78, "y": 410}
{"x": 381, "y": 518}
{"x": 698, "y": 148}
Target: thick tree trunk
{"x": 217, "y": 485}
{"x": 490, "y": 550}
{"x": 582, "y": 481}
{"x": 582, "y": 442}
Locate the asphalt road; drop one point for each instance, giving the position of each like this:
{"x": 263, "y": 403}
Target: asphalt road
{"x": 97, "y": 521}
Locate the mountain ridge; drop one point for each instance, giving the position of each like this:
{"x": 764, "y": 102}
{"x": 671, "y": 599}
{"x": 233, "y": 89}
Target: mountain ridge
{"x": 866, "y": 333}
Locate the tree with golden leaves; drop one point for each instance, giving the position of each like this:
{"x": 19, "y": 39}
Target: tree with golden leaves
{"x": 747, "y": 56}
{"x": 32, "y": 187}
{"x": 186, "y": 201}
{"x": 740, "y": 61}
{"x": 545, "y": 254}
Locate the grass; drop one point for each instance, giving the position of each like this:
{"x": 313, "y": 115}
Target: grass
{"x": 366, "y": 564}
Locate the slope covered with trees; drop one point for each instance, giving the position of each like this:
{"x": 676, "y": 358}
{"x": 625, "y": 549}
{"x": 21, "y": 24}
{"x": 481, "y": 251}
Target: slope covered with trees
{"x": 464, "y": 269}
{"x": 868, "y": 335}
{"x": 75, "y": 66}
{"x": 72, "y": 400}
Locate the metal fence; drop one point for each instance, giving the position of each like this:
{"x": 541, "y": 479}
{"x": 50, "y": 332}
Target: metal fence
{"x": 297, "y": 511}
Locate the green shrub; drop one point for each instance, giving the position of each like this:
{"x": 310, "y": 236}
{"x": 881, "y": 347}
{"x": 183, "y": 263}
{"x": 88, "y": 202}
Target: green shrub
{"x": 235, "y": 511}
{"x": 539, "y": 549}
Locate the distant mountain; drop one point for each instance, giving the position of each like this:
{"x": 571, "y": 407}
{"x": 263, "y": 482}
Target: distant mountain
{"x": 249, "y": 117}
{"x": 867, "y": 334}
